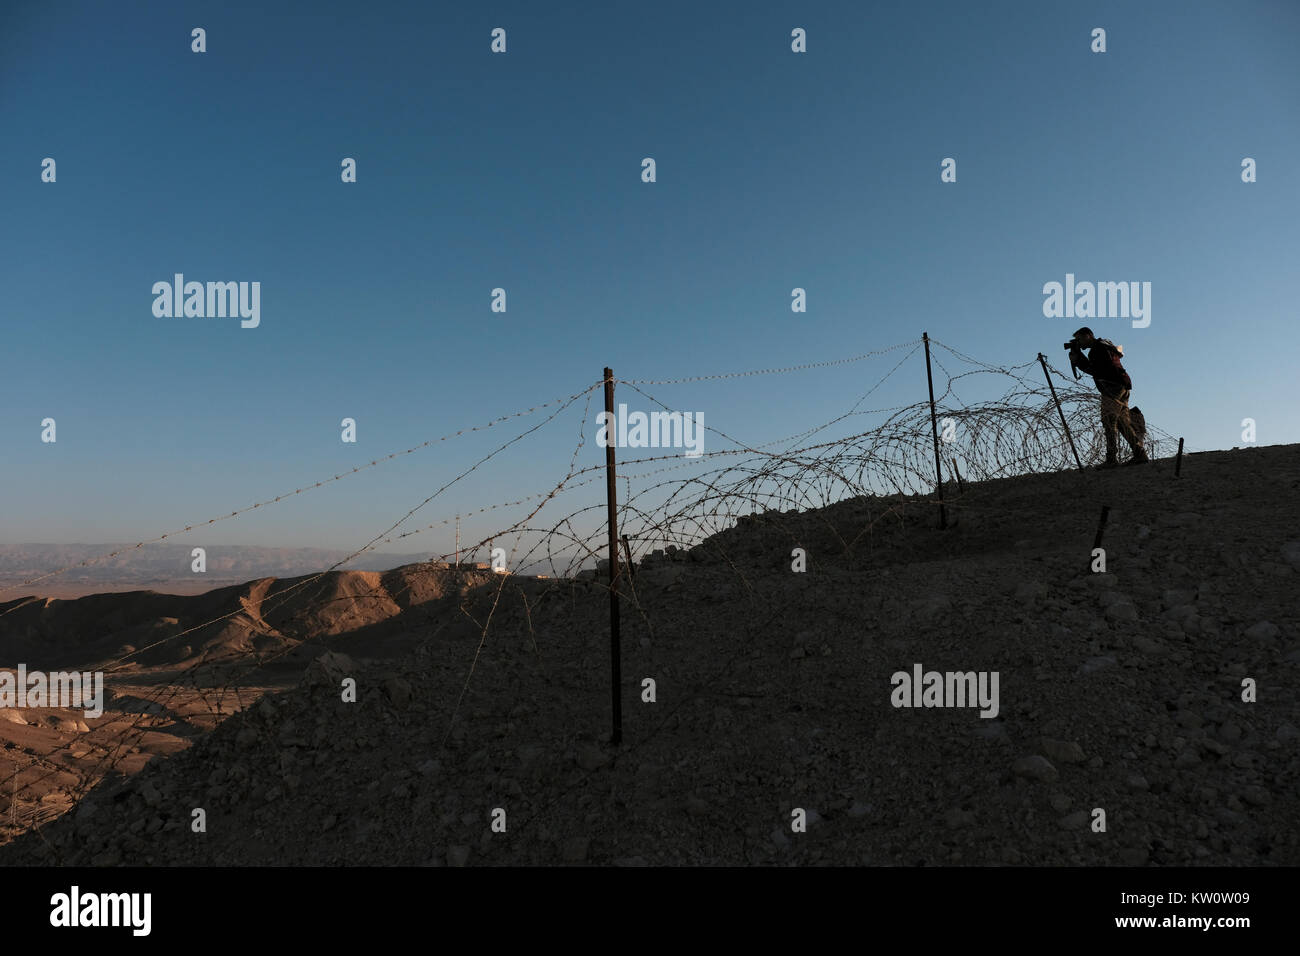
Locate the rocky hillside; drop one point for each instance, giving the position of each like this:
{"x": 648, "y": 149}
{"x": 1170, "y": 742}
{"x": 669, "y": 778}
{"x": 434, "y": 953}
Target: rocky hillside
{"x": 486, "y": 742}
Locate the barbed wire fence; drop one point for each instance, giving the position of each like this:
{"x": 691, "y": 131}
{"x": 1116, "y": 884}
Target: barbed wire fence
{"x": 1016, "y": 432}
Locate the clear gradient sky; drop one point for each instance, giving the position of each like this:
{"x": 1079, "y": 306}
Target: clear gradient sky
{"x": 523, "y": 171}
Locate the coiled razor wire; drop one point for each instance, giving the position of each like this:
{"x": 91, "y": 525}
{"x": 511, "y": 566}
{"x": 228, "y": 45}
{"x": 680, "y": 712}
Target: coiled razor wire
{"x": 1017, "y": 433}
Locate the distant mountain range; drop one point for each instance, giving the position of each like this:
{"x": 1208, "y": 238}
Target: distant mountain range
{"x": 158, "y": 566}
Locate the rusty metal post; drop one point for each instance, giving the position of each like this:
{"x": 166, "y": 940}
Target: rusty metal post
{"x": 934, "y": 428}
{"x": 1101, "y": 526}
{"x": 627, "y": 553}
{"x": 611, "y": 495}
{"x": 1043, "y": 362}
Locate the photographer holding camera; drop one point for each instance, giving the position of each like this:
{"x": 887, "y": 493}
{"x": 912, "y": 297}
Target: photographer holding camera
{"x": 1103, "y": 364}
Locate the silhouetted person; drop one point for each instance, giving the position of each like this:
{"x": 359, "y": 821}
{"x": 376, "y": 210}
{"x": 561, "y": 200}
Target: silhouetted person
{"x": 1103, "y": 364}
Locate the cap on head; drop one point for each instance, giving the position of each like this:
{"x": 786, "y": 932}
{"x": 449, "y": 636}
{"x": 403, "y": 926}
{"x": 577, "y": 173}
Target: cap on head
{"x": 1083, "y": 333}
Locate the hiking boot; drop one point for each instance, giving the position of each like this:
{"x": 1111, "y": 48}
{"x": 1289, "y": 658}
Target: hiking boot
{"x": 1108, "y": 463}
{"x": 1139, "y": 458}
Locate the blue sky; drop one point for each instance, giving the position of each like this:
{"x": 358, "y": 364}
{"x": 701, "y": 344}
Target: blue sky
{"x": 775, "y": 170}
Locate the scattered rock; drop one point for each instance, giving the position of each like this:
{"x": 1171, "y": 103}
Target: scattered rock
{"x": 957, "y": 818}
{"x": 1030, "y": 591}
{"x": 1256, "y": 796}
{"x": 398, "y": 691}
{"x": 591, "y": 757}
{"x": 1134, "y": 856}
{"x": 1291, "y": 553}
{"x": 1075, "y": 821}
{"x": 457, "y": 855}
{"x": 1263, "y": 631}
{"x": 1230, "y": 733}
{"x": 1094, "y": 664}
{"x": 329, "y": 669}
{"x": 1035, "y": 767}
{"x": 1121, "y": 612}
{"x": 1147, "y": 646}
{"x": 149, "y": 792}
{"x": 1062, "y": 751}
{"x": 992, "y": 730}
{"x": 575, "y": 849}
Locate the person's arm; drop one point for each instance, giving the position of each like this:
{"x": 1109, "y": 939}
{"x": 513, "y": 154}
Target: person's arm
{"x": 1081, "y": 363}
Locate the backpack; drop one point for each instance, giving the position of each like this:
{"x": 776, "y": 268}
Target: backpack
{"x": 1139, "y": 423}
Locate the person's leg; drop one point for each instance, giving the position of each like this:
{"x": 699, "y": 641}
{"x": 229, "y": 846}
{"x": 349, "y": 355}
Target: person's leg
{"x": 1109, "y": 425}
{"x": 1125, "y": 426}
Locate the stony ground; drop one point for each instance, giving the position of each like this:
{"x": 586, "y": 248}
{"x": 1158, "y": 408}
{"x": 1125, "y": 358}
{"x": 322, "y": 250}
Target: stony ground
{"x": 486, "y": 740}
